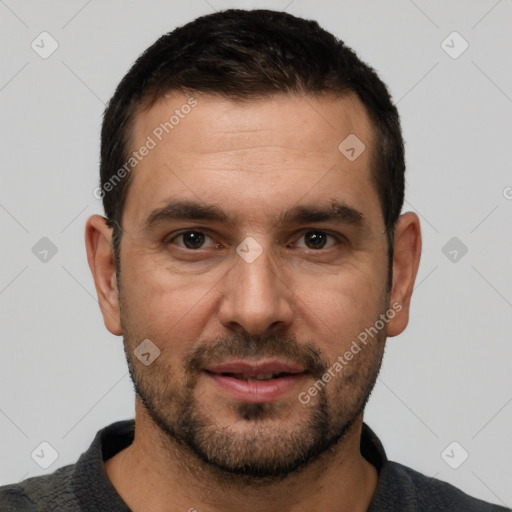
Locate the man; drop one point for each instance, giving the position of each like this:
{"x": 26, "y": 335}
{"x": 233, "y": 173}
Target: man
{"x": 254, "y": 259}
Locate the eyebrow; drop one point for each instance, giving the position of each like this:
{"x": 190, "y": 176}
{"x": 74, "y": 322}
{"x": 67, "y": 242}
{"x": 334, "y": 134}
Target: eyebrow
{"x": 300, "y": 214}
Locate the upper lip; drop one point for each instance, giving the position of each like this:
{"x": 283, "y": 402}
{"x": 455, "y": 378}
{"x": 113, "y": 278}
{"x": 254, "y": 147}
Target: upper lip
{"x": 253, "y": 368}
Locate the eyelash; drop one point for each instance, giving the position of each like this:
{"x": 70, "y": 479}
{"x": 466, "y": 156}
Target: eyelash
{"x": 338, "y": 237}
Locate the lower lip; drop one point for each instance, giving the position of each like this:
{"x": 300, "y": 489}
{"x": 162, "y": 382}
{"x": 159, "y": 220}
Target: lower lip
{"x": 256, "y": 390}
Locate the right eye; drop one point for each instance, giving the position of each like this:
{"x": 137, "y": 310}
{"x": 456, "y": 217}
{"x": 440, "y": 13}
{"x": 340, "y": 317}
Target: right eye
{"x": 192, "y": 239}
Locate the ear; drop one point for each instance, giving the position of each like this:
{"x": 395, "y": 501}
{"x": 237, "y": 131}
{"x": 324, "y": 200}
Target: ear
{"x": 406, "y": 260}
{"x": 98, "y": 242}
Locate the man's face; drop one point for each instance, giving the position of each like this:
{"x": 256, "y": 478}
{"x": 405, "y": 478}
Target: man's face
{"x": 231, "y": 302}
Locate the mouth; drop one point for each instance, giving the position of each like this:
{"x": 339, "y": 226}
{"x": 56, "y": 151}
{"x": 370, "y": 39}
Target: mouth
{"x": 255, "y": 381}
{"x": 259, "y": 376}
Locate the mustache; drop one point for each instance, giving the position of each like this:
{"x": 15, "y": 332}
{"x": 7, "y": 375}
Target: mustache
{"x": 241, "y": 346}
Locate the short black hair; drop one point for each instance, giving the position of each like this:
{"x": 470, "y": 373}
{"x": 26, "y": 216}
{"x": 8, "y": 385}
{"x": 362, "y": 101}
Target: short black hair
{"x": 243, "y": 55}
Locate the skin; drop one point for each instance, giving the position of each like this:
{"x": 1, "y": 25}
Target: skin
{"x": 253, "y": 160}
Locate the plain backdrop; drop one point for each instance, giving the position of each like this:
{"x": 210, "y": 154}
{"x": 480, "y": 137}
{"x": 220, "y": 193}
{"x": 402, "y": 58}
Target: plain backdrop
{"x": 63, "y": 376}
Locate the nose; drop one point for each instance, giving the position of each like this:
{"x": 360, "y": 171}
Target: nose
{"x": 255, "y": 296}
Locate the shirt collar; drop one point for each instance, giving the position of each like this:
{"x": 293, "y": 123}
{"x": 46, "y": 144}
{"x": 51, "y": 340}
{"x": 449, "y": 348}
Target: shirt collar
{"x": 90, "y": 470}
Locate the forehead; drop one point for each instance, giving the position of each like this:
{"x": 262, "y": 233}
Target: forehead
{"x": 227, "y": 124}
{"x": 255, "y": 155}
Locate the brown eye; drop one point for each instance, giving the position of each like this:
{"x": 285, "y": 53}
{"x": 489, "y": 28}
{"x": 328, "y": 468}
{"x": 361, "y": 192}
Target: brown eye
{"x": 193, "y": 239}
{"x": 315, "y": 240}
{"x": 190, "y": 239}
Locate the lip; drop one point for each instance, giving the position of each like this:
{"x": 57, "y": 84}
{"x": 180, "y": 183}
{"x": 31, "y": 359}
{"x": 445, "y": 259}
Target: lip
{"x": 253, "y": 368}
{"x": 255, "y": 391}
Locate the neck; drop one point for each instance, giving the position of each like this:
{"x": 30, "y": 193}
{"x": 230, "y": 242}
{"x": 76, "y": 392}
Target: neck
{"x": 156, "y": 473}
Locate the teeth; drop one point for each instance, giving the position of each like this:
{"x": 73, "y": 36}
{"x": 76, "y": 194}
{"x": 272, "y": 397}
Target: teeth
{"x": 260, "y": 376}
{"x": 264, "y": 376}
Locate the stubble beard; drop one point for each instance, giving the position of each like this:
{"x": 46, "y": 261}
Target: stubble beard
{"x": 262, "y": 451}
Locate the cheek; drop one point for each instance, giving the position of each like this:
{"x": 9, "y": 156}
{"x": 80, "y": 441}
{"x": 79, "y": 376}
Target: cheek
{"x": 168, "y": 308}
{"x": 336, "y": 308}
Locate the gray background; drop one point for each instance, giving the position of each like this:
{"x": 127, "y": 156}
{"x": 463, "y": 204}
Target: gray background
{"x": 447, "y": 378}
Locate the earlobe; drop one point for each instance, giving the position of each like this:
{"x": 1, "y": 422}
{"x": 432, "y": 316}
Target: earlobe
{"x": 406, "y": 260}
{"x": 98, "y": 242}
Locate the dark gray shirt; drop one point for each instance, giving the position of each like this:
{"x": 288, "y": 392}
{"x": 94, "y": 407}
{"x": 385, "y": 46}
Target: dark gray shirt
{"x": 84, "y": 486}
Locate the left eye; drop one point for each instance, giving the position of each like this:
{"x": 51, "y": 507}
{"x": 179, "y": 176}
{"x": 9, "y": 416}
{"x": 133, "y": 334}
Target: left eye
{"x": 316, "y": 239}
